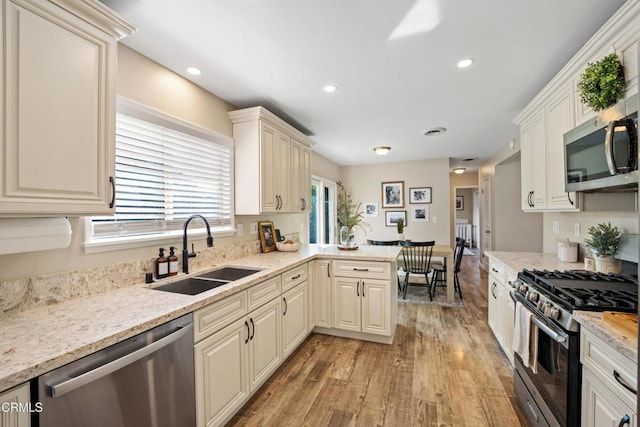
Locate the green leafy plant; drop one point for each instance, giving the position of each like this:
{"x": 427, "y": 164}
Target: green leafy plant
{"x": 602, "y": 83}
{"x": 349, "y": 213}
{"x": 604, "y": 239}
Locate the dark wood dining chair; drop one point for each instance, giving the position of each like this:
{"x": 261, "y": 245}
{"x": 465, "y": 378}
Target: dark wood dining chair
{"x": 417, "y": 260}
{"x": 440, "y": 271}
{"x": 386, "y": 243}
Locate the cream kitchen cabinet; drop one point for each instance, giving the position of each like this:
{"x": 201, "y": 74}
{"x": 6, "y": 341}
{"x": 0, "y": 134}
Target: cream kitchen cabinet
{"x": 609, "y": 384}
{"x": 323, "y": 293}
{"x": 59, "y": 89}
{"x": 272, "y": 162}
{"x": 311, "y": 296}
{"x": 362, "y": 297}
{"x": 294, "y": 317}
{"x": 501, "y": 307}
{"x": 16, "y": 404}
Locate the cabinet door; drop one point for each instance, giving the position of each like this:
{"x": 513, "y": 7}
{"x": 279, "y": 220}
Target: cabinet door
{"x": 376, "y": 311}
{"x": 265, "y": 343}
{"x": 507, "y": 318}
{"x": 59, "y": 113}
{"x": 301, "y": 177}
{"x": 538, "y": 161}
{"x": 526, "y": 154}
{"x": 346, "y": 303}
{"x": 221, "y": 363}
{"x": 311, "y": 297}
{"x": 494, "y": 308}
{"x": 13, "y": 418}
{"x": 283, "y": 171}
{"x": 323, "y": 288}
{"x": 294, "y": 317}
{"x": 559, "y": 121}
{"x": 268, "y": 145}
{"x": 601, "y": 407}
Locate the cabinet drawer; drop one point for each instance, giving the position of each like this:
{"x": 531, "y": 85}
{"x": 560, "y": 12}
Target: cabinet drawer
{"x": 264, "y": 292}
{"x": 213, "y": 317}
{"x": 294, "y": 276}
{"x": 604, "y": 361}
{"x": 497, "y": 270}
{"x": 371, "y": 270}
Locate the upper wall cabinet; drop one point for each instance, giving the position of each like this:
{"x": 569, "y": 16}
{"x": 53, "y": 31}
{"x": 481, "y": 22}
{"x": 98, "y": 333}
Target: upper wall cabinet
{"x": 558, "y": 109}
{"x": 58, "y": 107}
{"x": 273, "y": 164}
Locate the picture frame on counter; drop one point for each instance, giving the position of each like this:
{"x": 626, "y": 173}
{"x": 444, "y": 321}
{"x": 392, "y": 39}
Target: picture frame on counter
{"x": 267, "y": 234}
{"x": 391, "y": 218}
{"x": 419, "y": 195}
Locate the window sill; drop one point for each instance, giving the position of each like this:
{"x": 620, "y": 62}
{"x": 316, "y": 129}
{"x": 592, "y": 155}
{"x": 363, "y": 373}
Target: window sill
{"x": 124, "y": 243}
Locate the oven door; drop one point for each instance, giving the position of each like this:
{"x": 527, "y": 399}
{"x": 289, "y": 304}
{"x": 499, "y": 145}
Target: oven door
{"x": 556, "y": 381}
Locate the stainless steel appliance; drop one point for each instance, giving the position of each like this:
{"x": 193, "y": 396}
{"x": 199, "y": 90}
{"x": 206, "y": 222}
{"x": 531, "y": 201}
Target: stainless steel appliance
{"x": 601, "y": 154}
{"x": 146, "y": 380}
{"x": 551, "y": 396}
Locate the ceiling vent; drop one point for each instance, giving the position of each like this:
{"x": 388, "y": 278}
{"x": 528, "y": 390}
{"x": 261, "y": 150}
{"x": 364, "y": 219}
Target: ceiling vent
{"x": 435, "y": 131}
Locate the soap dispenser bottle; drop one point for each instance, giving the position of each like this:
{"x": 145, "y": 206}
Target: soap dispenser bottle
{"x": 162, "y": 265}
{"x": 173, "y": 261}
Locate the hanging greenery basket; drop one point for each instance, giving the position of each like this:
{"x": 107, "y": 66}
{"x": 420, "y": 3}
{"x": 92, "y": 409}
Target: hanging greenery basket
{"x": 602, "y": 83}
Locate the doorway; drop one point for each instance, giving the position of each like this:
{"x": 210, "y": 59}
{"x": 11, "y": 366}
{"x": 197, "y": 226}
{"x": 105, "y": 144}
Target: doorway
{"x": 467, "y": 215}
{"x": 322, "y": 224}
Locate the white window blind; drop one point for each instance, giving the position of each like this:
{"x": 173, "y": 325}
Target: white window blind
{"x": 163, "y": 176}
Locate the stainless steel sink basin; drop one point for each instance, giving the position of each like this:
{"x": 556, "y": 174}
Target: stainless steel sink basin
{"x": 228, "y": 274}
{"x": 191, "y": 286}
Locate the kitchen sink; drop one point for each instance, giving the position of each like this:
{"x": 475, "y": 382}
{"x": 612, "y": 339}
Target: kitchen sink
{"x": 191, "y": 286}
{"x": 228, "y": 274}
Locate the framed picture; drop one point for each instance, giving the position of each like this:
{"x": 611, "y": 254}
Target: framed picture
{"x": 267, "y": 234}
{"x": 392, "y": 217}
{"x": 459, "y": 203}
{"x": 393, "y": 194}
{"x": 420, "y": 213}
{"x": 420, "y": 195}
{"x": 371, "y": 209}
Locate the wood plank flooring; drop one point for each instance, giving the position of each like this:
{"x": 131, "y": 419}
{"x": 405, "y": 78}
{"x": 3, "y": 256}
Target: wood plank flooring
{"x": 444, "y": 368}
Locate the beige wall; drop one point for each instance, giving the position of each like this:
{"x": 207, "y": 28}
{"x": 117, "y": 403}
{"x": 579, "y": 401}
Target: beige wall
{"x": 365, "y": 185}
{"x": 325, "y": 168}
{"x": 467, "y": 204}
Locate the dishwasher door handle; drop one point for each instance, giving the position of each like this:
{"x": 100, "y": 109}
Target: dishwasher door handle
{"x": 60, "y": 389}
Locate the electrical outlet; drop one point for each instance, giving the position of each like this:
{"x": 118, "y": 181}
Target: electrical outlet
{"x": 239, "y": 229}
{"x": 253, "y": 227}
{"x": 556, "y": 227}
{"x": 576, "y": 229}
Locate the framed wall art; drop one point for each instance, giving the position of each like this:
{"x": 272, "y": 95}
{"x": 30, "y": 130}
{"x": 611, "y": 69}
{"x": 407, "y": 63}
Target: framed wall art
{"x": 420, "y": 213}
{"x": 267, "y": 234}
{"x": 393, "y": 194}
{"x": 459, "y": 203}
{"x": 370, "y": 209}
{"x": 420, "y": 195}
{"x": 391, "y": 218}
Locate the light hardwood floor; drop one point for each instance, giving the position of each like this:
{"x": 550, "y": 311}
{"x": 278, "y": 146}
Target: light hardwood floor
{"x": 444, "y": 368}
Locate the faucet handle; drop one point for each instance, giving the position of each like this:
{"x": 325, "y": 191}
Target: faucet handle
{"x": 192, "y": 254}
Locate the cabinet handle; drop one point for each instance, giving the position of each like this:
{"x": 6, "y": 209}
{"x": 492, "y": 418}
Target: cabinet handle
{"x": 624, "y": 420}
{"x": 493, "y": 286}
{"x": 329, "y": 270}
{"x": 285, "y": 306}
{"x": 112, "y": 203}
{"x": 569, "y": 198}
{"x": 360, "y": 269}
{"x": 297, "y": 276}
{"x": 533, "y": 201}
{"x": 304, "y": 205}
{"x": 248, "y": 334}
{"x": 363, "y": 289}
{"x": 494, "y": 270}
{"x": 301, "y": 204}
{"x": 279, "y": 202}
{"x": 623, "y": 383}
{"x": 358, "y": 288}
{"x": 253, "y": 328}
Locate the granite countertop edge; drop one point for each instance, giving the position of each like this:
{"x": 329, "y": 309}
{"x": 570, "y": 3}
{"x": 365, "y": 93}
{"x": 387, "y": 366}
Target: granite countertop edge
{"x": 594, "y": 322}
{"x": 42, "y": 339}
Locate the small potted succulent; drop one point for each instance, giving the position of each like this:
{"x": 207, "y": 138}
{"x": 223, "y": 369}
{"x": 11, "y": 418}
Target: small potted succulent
{"x": 604, "y": 240}
{"x": 400, "y": 226}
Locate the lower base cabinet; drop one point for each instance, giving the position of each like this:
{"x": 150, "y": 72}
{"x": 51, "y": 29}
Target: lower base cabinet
{"x": 362, "y": 305}
{"x": 294, "y": 317}
{"x": 15, "y": 407}
{"x": 601, "y": 407}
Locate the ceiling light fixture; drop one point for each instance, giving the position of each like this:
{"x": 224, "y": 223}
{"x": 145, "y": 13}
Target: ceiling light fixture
{"x": 194, "y": 71}
{"x": 382, "y": 150}
{"x": 435, "y": 131}
{"x": 459, "y": 171}
{"x": 465, "y": 62}
{"x": 330, "y": 88}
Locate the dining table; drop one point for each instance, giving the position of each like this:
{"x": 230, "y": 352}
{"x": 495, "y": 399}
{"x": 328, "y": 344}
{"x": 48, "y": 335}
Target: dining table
{"x": 446, "y": 252}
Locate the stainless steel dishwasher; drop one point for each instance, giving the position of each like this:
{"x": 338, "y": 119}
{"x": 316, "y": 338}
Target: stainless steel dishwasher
{"x": 146, "y": 380}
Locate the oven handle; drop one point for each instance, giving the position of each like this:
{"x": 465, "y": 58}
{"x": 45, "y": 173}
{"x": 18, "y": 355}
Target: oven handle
{"x": 69, "y": 385}
{"x": 558, "y": 337}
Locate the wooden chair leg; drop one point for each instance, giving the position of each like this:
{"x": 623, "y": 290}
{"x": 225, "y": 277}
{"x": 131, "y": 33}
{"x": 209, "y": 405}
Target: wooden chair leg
{"x": 432, "y": 286}
{"x": 406, "y": 285}
{"x": 457, "y": 284}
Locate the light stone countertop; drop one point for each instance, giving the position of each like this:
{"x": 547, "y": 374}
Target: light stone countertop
{"x": 35, "y": 342}
{"x": 592, "y": 321}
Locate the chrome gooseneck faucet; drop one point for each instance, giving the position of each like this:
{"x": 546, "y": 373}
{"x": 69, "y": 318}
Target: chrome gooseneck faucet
{"x": 185, "y": 253}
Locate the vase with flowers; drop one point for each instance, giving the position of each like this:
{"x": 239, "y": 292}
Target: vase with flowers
{"x": 604, "y": 240}
{"x": 349, "y": 217}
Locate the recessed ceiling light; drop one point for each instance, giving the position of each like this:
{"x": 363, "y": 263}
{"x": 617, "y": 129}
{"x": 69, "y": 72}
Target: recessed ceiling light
{"x": 330, "y": 88}
{"x": 459, "y": 170}
{"x": 435, "y": 131}
{"x": 382, "y": 150}
{"x": 465, "y": 63}
{"x": 194, "y": 71}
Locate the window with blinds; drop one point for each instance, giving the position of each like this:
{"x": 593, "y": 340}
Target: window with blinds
{"x": 164, "y": 174}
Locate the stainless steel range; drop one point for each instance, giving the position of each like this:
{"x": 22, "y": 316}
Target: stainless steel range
{"x": 550, "y": 394}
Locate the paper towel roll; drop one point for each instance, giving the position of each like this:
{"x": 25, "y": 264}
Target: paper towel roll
{"x": 33, "y": 234}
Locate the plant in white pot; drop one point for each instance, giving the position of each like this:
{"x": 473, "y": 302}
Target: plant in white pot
{"x": 604, "y": 240}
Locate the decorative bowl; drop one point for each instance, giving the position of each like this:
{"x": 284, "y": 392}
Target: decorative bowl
{"x": 288, "y": 247}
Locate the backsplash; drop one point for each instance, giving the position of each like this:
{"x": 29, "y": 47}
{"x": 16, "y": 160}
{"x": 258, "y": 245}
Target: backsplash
{"x": 27, "y": 293}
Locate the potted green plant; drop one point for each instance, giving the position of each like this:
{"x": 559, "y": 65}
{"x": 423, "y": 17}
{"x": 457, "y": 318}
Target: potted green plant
{"x": 349, "y": 217}
{"x": 604, "y": 240}
{"x": 400, "y": 225}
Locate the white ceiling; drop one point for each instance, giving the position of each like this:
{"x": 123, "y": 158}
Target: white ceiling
{"x": 280, "y": 54}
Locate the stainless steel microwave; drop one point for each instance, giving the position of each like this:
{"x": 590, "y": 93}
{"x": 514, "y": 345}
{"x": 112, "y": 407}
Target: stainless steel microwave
{"x": 602, "y": 153}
